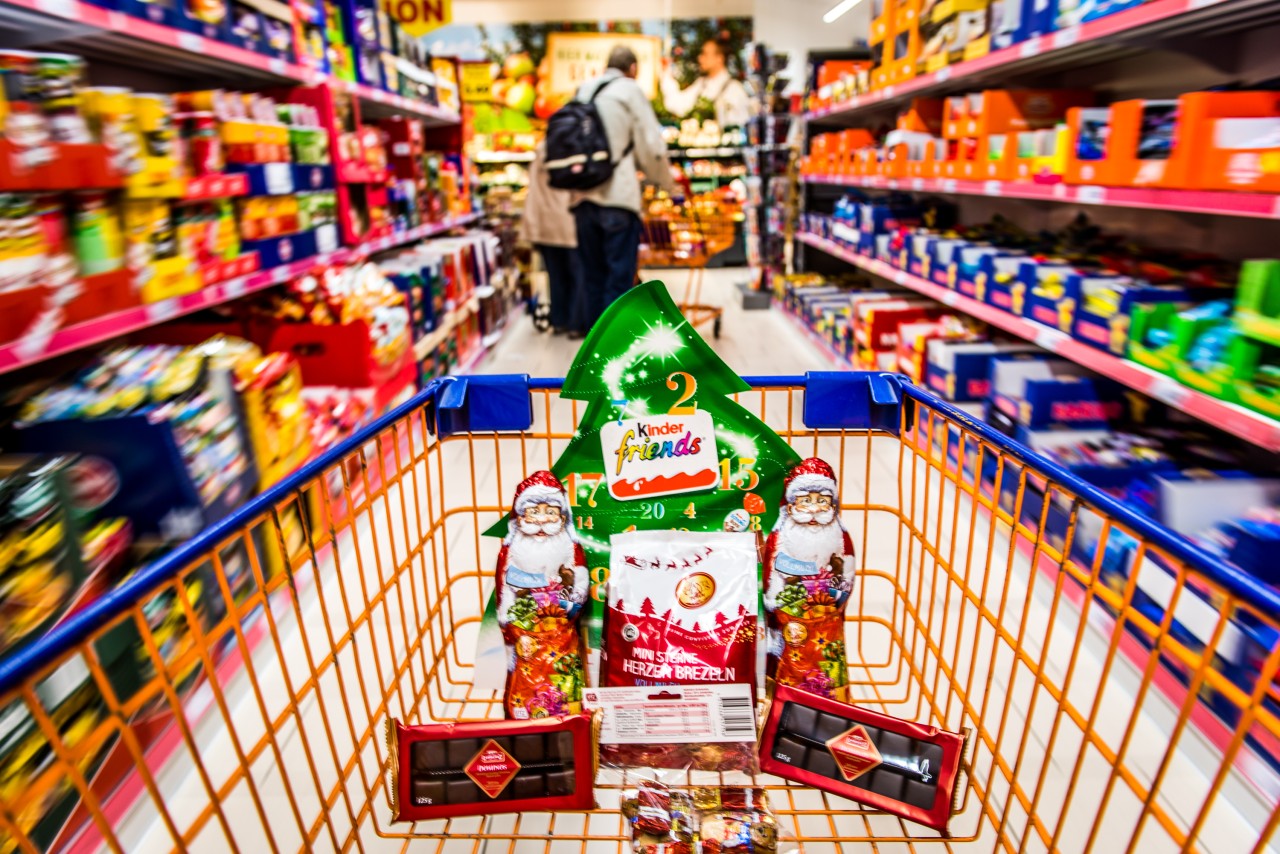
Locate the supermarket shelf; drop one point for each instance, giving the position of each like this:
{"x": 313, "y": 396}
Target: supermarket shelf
{"x": 34, "y": 348}
{"x": 1251, "y": 426}
{"x": 1259, "y": 205}
{"x": 503, "y": 157}
{"x": 87, "y": 29}
{"x": 705, "y": 153}
{"x": 421, "y": 232}
{"x": 1093, "y": 41}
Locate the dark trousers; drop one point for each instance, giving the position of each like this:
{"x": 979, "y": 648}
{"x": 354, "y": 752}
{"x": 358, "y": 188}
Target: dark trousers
{"x": 609, "y": 244}
{"x": 564, "y": 279}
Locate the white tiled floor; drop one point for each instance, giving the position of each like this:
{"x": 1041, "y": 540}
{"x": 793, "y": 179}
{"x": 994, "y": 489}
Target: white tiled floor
{"x": 751, "y": 342}
{"x": 942, "y": 631}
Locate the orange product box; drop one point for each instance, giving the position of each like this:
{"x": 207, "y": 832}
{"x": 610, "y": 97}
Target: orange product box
{"x": 980, "y": 114}
{"x": 1089, "y": 138}
{"x": 903, "y": 148}
{"x": 850, "y": 142}
{"x": 1232, "y": 138}
{"x": 907, "y": 44}
{"x": 924, "y": 115}
{"x": 906, "y": 15}
{"x": 1039, "y": 155}
{"x": 882, "y": 16}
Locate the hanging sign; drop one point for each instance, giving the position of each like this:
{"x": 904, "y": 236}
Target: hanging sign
{"x": 419, "y": 17}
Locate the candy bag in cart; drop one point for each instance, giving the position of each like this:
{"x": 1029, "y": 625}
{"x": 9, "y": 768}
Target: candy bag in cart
{"x": 680, "y": 632}
{"x": 704, "y": 820}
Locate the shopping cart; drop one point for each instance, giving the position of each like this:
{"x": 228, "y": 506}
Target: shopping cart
{"x": 687, "y": 236}
{"x": 1109, "y": 713}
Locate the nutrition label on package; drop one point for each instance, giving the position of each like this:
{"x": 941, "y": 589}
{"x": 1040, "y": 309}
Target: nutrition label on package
{"x": 680, "y": 714}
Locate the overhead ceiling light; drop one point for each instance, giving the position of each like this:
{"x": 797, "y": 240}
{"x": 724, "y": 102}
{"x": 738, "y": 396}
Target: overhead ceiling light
{"x": 839, "y": 9}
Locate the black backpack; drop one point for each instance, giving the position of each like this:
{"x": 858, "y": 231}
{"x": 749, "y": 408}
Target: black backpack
{"x": 578, "y": 156}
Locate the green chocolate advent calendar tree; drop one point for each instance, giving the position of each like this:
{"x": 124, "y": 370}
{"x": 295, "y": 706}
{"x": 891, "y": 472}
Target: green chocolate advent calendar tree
{"x": 661, "y": 443}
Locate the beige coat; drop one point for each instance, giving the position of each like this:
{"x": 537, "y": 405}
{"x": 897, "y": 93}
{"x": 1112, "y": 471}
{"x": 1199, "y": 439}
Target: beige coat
{"x": 547, "y": 220}
{"x": 628, "y": 118}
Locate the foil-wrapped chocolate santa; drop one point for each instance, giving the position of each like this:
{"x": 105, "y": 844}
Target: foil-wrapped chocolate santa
{"x": 542, "y": 584}
{"x": 808, "y": 575}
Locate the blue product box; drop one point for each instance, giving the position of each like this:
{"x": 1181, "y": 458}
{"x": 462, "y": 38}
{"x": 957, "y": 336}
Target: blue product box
{"x": 284, "y": 179}
{"x": 1037, "y": 19}
{"x": 966, "y": 262}
{"x": 845, "y": 234}
{"x": 880, "y": 248}
{"x": 277, "y": 251}
{"x": 916, "y": 252}
{"x": 1042, "y": 392}
{"x": 164, "y": 12}
{"x": 880, "y": 217}
{"x": 997, "y": 278}
{"x": 941, "y": 254}
{"x": 960, "y": 371}
{"x": 155, "y": 492}
{"x": 1052, "y": 306}
{"x": 220, "y": 31}
{"x": 1108, "y": 329}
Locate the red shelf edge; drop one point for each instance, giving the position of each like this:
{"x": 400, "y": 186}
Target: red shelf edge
{"x": 1217, "y": 202}
{"x": 1251, "y": 426}
{"x": 1120, "y": 22}
{"x": 14, "y": 355}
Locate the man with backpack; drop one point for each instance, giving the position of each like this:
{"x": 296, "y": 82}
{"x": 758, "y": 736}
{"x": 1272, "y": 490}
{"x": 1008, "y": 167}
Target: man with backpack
{"x": 595, "y": 146}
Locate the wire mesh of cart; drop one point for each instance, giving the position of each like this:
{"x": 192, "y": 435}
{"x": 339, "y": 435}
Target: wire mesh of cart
{"x": 687, "y": 235}
{"x": 1119, "y": 683}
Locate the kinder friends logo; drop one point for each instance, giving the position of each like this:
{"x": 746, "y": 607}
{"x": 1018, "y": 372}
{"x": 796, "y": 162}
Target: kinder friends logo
{"x": 660, "y": 455}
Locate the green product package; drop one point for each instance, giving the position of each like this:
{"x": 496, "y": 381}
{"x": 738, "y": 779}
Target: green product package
{"x": 661, "y": 444}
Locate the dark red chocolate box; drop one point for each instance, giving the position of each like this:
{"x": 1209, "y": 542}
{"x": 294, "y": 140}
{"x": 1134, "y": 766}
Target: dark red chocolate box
{"x": 893, "y": 765}
{"x": 455, "y": 769}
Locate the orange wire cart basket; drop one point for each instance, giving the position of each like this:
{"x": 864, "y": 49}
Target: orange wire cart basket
{"x": 1119, "y": 684}
{"x": 687, "y": 236}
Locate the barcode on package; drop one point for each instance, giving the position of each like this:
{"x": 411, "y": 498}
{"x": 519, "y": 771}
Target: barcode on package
{"x": 674, "y": 714}
{"x": 737, "y": 718}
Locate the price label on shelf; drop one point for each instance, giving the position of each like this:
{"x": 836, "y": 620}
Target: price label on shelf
{"x": 327, "y": 239}
{"x": 276, "y": 65}
{"x": 1049, "y": 339}
{"x": 279, "y": 178}
{"x": 1170, "y": 391}
{"x": 191, "y": 42}
{"x": 887, "y": 92}
{"x": 992, "y": 188}
{"x": 1090, "y": 195}
{"x": 283, "y": 273}
{"x": 943, "y": 74}
{"x": 233, "y": 288}
{"x": 900, "y": 276}
{"x": 950, "y": 298}
{"x": 1066, "y": 37}
{"x": 158, "y": 312}
{"x": 1029, "y": 48}
{"x": 948, "y": 185}
{"x": 917, "y": 183}
{"x": 61, "y": 8}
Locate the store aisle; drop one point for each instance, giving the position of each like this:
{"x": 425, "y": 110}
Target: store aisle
{"x": 751, "y": 342}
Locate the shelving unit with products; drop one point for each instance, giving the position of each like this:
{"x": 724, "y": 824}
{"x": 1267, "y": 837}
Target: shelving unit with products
{"x": 1063, "y": 224}
{"x": 233, "y": 234}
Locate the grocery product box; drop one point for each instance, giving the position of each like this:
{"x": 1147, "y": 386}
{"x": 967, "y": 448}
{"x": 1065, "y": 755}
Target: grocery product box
{"x": 998, "y": 281}
{"x": 1049, "y": 394}
{"x": 1042, "y": 295}
{"x": 960, "y": 371}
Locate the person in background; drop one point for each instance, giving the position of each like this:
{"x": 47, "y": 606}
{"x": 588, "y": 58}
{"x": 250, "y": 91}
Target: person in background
{"x": 715, "y": 90}
{"x": 548, "y": 225}
{"x": 608, "y": 216}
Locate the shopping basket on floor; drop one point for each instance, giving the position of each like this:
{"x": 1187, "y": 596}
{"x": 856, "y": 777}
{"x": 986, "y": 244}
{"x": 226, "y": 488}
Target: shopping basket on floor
{"x": 688, "y": 236}
{"x": 1119, "y": 684}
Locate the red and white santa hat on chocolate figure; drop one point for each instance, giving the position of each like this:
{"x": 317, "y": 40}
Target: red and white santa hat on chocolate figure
{"x": 541, "y": 487}
{"x": 811, "y": 475}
